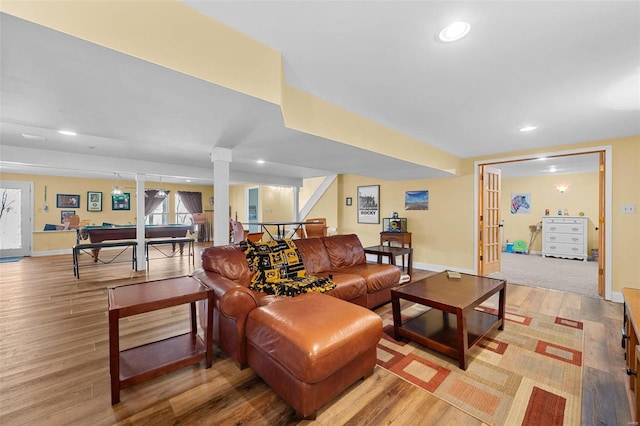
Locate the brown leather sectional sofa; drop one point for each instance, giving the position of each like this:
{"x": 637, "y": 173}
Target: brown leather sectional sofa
{"x": 311, "y": 347}
{"x": 225, "y": 269}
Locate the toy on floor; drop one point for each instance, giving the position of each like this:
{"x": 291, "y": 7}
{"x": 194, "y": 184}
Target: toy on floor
{"x": 519, "y": 246}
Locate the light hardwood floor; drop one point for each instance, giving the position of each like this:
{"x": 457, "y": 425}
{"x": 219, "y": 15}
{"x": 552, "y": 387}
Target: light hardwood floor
{"x": 54, "y": 367}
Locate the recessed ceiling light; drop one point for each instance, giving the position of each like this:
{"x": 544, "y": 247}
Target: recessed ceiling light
{"x": 454, "y": 31}
{"x": 34, "y": 137}
{"x": 188, "y": 180}
{"x": 260, "y": 161}
{"x": 67, "y": 132}
{"x": 527, "y": 128}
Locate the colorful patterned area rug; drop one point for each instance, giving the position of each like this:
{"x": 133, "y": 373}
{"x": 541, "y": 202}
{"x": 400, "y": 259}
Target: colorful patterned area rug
{"x": 528, "y": 374}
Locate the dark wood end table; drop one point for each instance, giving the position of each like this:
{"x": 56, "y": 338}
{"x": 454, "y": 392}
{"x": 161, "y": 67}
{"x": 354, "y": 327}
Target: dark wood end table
{"x": 453, "y": 326}
{"x": 392, "y": 252}
{"x": 145, "y": 362}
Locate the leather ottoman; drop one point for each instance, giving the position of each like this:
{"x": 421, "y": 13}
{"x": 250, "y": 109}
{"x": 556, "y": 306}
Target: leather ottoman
{"x": 312, "y": 347}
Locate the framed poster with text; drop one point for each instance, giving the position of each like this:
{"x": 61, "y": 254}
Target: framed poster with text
{"x": 369, "y": 204}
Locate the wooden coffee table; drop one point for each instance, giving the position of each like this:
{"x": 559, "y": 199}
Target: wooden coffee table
{"x": 453, "y": 325}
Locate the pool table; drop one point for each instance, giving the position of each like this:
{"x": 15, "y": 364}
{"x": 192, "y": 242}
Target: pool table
{"x": 98, "y": 234}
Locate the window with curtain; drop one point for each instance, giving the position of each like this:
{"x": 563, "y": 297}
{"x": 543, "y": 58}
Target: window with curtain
{"x": 187, "y": 203}
{"x": 156, "y": 209}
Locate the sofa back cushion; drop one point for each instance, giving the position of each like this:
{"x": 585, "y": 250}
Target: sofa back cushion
{"x": 274, "y": 260}
{"x": 279, "y": 270}
{"x": 314, "y": 255}
{"x": 228, "y": 261}
{"x": 344, "y": 251}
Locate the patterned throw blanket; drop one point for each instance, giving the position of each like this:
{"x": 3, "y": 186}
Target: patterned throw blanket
{"x": 278, "y": 269}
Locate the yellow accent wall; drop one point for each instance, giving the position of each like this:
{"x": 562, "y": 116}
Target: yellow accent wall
{"x": 441, "y": 235}
{"x": 313, "y": 115}
{"x": 581, "y": 196}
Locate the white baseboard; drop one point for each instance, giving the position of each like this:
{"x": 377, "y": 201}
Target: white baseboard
{"x": 424, "y": 266}
{"x": 616, "y": 296}
{"x": 440, "y": 268}
{"x": 50, "y": 252}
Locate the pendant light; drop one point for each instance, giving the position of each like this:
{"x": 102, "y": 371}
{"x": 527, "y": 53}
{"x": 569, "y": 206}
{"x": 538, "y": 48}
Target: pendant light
{"x": 116, "y": 189}
{"x": 161, "y": 193}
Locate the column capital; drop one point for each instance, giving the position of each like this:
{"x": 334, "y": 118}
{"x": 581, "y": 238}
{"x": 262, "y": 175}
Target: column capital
{"x": 220, "y": 154}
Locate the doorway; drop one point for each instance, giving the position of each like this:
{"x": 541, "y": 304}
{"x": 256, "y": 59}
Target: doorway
{"x": 598, "y": 160}
{"x": 252, "y": 196}
{"x": 15, "y": 218}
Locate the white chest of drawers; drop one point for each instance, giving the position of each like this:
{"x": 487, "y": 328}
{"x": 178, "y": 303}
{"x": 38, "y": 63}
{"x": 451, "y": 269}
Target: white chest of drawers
{"x": 564, "y": 236}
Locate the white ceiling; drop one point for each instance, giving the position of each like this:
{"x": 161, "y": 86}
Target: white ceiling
{"x": 571, "y": 68}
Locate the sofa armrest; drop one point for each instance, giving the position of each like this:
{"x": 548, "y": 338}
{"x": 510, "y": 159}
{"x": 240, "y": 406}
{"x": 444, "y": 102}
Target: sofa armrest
{"x": 233, "y": 303}
{"x": 232, "y": 299}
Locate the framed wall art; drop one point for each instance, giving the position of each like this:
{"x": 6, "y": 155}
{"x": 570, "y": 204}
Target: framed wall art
{"x": 65, "y": 213}
{"x": 416, "y": 200}
{"x": 94, "y": 201}
{"x": 121, "y": 202}
{"x": 369, "y": 204}
{"x": 521, "y": 203}
{"x": 67, "y": 200}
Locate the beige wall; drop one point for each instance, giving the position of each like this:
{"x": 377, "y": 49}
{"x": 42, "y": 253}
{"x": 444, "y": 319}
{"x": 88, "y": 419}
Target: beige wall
{"x": 581, "y": 196}
{"x": 275, "y": 202}
{"x": 442, "y": 235}
{"x": 626, "y": 227}
{"x": 76, "y": 186}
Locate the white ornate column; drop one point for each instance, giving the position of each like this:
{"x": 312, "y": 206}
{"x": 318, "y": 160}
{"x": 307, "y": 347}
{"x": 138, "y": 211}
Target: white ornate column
{"x": 221, "y": 158}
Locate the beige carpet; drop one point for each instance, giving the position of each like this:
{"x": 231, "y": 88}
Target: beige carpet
{"x": 528, "y": 374}
{"x": 570, "y": 275}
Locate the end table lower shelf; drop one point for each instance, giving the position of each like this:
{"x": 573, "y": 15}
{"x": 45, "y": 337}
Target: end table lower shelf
{"x": 144, "y": 362}
{"x": 154, "y": 359}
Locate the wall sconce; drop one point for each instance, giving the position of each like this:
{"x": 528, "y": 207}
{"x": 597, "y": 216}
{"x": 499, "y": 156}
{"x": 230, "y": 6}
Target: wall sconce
{"x": 561, "y": 188}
